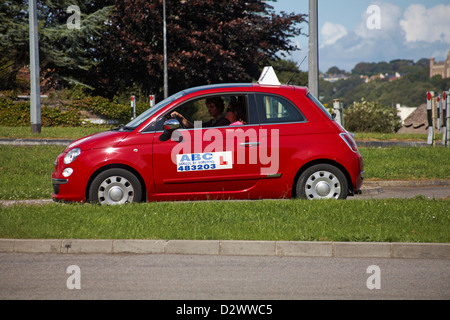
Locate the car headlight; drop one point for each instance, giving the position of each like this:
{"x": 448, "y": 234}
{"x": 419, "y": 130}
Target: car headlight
{"x": 72, "y": 155}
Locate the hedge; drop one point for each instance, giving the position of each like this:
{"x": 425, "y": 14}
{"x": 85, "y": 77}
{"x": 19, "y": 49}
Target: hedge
{"x": 17, "y": 113}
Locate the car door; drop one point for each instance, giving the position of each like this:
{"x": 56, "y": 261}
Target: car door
{"x": 282, "y": 132}
{"x": 210, "y": 160}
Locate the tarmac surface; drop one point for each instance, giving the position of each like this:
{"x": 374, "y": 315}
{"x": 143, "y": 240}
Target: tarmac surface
{"x": 434, "y": 189}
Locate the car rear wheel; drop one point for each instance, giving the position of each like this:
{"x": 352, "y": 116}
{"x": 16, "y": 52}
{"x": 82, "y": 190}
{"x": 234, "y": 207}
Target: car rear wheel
{"x": 115, "y": 186}
{"x": 322, "y": 181}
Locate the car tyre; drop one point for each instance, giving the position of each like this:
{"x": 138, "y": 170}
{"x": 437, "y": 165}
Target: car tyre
{"x": 322, "y": 181}
{"x": 115, "y": 186}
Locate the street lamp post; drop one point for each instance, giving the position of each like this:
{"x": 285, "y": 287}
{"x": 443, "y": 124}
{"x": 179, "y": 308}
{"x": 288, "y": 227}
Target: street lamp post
{"x": 166, "y": 80}
{"x": 313, "y": 65}
{"x": 35, "y": 94}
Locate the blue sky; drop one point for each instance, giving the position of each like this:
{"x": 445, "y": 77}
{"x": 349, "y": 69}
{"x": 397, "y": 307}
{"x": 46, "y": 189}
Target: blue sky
{"x": 349, "y": 33}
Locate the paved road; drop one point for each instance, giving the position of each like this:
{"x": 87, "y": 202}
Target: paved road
{"x": 45, "y": 276}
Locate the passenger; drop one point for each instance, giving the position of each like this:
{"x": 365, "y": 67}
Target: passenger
{"x": 235, "y": 113}
{"x": 215, "y": 108}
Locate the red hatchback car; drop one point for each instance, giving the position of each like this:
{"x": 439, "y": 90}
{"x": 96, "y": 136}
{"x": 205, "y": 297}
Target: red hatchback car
{"x": 268, "y": 141}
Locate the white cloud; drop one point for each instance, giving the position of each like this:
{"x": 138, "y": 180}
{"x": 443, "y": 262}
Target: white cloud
{"x": 428, "y": 25}
{"x": 331, "y": 33}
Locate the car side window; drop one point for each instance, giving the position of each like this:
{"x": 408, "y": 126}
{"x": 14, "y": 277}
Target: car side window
{"x": 276, "y": 109}
{"x": 204, "y": 109}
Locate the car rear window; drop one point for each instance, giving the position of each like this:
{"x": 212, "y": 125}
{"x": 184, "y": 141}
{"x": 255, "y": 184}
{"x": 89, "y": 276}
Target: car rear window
{"x": 276, "y": 109}
{"x": 319, "y": 105}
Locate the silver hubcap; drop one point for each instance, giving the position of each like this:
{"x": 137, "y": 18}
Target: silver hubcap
{"x": 322, "y": 185}
{"x": 115, "y": 190}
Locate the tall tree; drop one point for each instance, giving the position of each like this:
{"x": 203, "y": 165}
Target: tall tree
{"x": 13, "y": 42}
{"x": 65, "y": 53}
{"x": 208, "y": 42}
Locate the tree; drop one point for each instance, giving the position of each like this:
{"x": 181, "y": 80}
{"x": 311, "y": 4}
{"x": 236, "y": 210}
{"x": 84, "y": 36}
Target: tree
{"x": 13, "y": 42}
{"x": 336, "y": 70}
{"x": 208, "y": 42}
{"x": 65, "y": 54}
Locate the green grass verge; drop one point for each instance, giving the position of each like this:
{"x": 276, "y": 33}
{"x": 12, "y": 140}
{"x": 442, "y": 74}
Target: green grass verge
{"x": 393, "y": 220}
{"x": 70, "y": 133}
{"x": 414, "y": 163}
{"x": 25, "y": 172}
{"x": 394, "y": 136}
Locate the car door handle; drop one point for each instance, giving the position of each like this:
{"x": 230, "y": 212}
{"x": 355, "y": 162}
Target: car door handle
{"x": 249, "y": 144}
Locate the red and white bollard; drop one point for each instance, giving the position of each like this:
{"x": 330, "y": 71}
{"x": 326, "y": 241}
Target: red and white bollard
{"x": 152, "y": 100}
{"x": 133, "y": 107}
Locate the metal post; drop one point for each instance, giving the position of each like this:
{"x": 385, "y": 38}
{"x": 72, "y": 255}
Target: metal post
{"x": 313, "y": 65}
{"x": 448, "y": 120}
{"x": 35, "y": 94}
{"x": 338, "y": 110}
{"x": 444, "y": 118}
{"x": 433, "y": 114}
{"x": 438, "y": 113}
{"x": 166, "y": 80}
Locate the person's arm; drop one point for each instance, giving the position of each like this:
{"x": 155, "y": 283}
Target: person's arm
{"x": 185, "y": 122}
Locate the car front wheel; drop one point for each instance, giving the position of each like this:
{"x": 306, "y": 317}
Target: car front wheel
{"x": 322, "y": 181}
{"x": 115, "y": 186}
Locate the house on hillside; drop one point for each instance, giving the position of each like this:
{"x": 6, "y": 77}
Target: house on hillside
{"x": 333, "y": 77}
{"x": 382, "y": 76}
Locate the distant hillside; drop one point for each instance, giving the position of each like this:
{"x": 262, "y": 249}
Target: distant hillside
{"x": 408, "y": 90}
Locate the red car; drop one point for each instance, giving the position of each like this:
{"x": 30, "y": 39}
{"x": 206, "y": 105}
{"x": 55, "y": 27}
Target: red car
{"x": 225, "y": 141}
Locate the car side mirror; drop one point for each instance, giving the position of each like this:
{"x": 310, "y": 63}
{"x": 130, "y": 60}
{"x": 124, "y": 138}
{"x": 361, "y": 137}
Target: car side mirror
{"x": 169, "y": 127}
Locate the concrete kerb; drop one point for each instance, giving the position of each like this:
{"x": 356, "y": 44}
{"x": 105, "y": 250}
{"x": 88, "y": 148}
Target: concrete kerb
{"x": 230, "y": 248}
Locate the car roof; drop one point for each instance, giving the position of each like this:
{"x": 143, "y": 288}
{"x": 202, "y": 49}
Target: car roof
{"x": 243, "y": 85}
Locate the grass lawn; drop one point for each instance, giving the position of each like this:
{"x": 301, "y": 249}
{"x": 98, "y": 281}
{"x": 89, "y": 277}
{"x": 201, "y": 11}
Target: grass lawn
{"x": 392, "y": 220}
{"x": 25, "y": 173}
{"x": 71, "y": 133}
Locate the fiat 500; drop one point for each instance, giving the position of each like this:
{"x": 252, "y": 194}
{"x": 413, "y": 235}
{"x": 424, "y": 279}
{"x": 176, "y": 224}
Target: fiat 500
{"x": 227, "y": 141}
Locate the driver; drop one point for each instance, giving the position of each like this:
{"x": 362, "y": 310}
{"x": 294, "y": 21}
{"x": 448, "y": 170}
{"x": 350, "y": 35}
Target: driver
{"x": 215, "y": 108}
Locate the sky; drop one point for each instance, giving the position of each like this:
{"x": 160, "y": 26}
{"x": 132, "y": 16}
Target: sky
{"x": 353, "y": 31}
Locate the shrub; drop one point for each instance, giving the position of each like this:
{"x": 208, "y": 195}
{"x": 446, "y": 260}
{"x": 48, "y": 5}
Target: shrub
{"x": 105, "y": 108}
{"x": 64, "y": 112}
{"x": 366, "y": 116}
{"x": 17, "y": 113}
{"x": 14, "y": 113}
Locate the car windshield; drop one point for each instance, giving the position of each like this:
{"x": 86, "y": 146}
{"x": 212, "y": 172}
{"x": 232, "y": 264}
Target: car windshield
{"x": 133, "y": 124}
